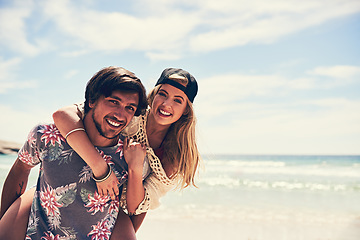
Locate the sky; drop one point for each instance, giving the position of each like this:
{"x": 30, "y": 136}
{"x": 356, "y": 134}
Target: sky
{"x": 275, "y": 77}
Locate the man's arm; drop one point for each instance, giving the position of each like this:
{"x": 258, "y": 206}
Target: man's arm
{"x": 14, "y": 185}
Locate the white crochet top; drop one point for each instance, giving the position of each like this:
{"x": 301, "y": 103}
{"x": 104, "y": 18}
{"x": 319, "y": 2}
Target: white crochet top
{"x": 156, "y": 184}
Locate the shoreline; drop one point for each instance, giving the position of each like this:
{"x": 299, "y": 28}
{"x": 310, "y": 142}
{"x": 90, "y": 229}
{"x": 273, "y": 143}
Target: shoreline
{"x": 7, "y": 147}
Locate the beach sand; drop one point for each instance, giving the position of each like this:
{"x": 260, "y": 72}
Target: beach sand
{"x": 156, "y": 229}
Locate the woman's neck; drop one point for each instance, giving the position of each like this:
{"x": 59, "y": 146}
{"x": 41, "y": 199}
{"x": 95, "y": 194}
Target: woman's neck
{"x": 155, "y": 132}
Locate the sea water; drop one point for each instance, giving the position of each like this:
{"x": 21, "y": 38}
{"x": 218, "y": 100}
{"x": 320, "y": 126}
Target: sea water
{"x": 265, "y": 197}
{"x": 274, "y": 197}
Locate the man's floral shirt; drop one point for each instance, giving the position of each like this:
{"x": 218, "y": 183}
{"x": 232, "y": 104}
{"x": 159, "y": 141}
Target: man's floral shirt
{"x": 66, "y": 204}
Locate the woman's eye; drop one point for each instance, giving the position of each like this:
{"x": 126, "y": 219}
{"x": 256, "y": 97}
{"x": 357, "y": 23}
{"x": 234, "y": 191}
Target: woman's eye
{"x": 162, "y": 94}
{"x": 178, "y": 101}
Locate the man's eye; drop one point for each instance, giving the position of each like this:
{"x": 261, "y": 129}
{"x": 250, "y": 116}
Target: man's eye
{"x": 131, "y": 108}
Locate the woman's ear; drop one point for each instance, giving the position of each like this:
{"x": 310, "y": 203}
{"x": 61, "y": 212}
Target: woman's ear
{"x": 187, "y": 110}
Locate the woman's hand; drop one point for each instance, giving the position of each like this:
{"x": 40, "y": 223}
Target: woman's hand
{"x": 134, "y": 154}
{"x": 109, "y": 186}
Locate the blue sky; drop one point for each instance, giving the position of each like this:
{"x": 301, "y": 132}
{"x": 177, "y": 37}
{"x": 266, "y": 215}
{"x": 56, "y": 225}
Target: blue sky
{"x": 275, "y": 77}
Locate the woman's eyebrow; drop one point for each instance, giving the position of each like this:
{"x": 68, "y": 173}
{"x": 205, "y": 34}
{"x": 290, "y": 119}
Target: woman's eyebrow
{"x": 178, "y": 96}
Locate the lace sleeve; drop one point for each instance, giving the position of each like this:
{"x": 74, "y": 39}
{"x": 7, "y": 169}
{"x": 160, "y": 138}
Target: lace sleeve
{"x": 154, "y": 190}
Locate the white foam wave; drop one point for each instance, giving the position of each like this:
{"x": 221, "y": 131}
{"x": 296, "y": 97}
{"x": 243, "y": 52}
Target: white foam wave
{"x": 229, "y": 182}
{"x": 277, "y": 168}
{"x": 234, "y": 163}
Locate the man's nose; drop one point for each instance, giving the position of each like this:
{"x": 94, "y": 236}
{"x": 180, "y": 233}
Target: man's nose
{"x": 119, "y": 113}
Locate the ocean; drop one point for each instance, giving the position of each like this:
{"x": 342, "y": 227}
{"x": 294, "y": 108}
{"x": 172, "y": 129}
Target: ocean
{"x": 261, "y": 197}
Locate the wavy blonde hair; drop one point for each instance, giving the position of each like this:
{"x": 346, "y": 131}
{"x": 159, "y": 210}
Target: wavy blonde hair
{"x": 180, "y": 146}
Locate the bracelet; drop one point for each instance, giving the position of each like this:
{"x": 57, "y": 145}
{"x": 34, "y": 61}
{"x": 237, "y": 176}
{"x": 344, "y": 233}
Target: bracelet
{"x": 74, "y": 130}
{"x": 104, "y": 178}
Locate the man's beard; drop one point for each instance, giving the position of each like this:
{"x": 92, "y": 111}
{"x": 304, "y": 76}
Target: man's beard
{"x": 98, "y": 127}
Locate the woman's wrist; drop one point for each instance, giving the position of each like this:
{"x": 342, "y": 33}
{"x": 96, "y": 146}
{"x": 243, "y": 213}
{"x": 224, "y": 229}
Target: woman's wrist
{"x": 135, "y": 173}
{"x": 100, "y": 169}
{"x": 104, "y": 177}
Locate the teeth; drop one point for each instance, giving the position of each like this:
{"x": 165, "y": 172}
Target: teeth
{"x": 164, "y": 113}
{"x": 115, "y": 124}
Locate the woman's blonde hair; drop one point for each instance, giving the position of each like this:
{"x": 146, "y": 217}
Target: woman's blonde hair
{"x": 180, "y": 146}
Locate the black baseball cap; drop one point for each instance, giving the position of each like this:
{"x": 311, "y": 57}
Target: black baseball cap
{"x": 190, "y": 89}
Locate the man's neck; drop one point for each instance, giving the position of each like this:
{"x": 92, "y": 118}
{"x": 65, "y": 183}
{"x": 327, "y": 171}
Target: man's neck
{"x": 94, "y": 134}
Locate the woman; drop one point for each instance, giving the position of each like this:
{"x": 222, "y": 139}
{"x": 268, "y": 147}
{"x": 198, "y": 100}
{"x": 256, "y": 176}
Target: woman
{"x": 167, "y": 131}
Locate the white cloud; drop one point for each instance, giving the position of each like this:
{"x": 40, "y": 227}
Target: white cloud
{"x": 70, "y": 74}
{"x": 223, "y": 89}
{"x": 286, "y": 129}
{"x": 120, "y": 31}
{"x": 13, "y": 28}
{"x": 15, "y": 125}
{"x": 240, "y": 111}
{"x": 341, "y": 71}
{"x": 7, "y": 67}
{"x": 220, "y": 90}
{"x": 163, "y": 56}
{"x": 8, "y": 76}
{"x": 236, "y": 23}
{"x": 162, "y": 27}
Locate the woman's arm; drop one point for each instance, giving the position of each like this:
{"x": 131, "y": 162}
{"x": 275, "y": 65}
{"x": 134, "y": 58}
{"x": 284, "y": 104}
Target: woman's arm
{"x": 134, "y": 154}
{"x": 69, "y": 118}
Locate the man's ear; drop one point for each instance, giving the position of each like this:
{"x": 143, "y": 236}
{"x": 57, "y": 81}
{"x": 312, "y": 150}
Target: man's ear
{"x": 91, "y": 105}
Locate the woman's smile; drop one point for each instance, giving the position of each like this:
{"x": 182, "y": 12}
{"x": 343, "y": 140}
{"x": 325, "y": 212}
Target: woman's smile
{"x": 164, "y": 113}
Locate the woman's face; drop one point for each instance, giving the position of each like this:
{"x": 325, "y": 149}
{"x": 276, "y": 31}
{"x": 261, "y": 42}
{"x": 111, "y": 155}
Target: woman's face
{"x": 168, "y": 105}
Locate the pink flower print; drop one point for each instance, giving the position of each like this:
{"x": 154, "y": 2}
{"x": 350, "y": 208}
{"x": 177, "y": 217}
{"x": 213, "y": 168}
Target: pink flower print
{"x": 100, "y": 231}
{"x": 27, "y": 237}
{"x": 50, "y": 236}
{"x": 114, "y": 205}
{"x": 31, "y": 139}
{"x": 26, "y": 157}
{"x": 107, "y": 158}
{"x": 97, "y": 203}
{"x": 120, "y": 148}
{"x": 49, "y": 200}
{"x": 124, "y": 175}
{"x": 51, "y": 134}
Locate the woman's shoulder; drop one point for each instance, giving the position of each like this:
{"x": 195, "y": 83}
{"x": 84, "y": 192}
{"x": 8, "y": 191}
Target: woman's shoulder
{"x": 133, "y": 127}
{"x": 136, "y": 124}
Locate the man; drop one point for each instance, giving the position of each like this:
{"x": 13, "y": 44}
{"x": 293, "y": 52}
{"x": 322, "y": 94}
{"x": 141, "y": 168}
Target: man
{"x": 66, "y": 203}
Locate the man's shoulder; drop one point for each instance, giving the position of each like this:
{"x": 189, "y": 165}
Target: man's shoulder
{"x": 47, "y": 133}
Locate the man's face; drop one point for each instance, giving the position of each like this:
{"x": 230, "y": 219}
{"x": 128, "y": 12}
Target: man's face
{"x": 112, "y": 114}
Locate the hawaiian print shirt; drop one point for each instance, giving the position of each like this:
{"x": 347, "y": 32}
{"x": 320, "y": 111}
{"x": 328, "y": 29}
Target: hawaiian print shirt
{"x": 66, "y": 204}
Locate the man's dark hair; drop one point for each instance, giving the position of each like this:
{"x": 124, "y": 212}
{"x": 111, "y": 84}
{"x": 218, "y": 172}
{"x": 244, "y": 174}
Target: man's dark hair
{"x": 110, "y": 79}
